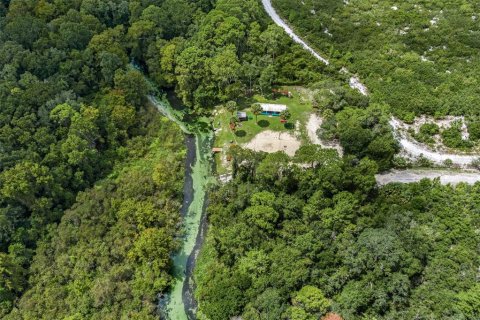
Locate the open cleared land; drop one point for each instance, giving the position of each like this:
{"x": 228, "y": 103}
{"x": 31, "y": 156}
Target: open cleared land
{"x": 298, "y": 106}
{"x": 270, "y": 141}
{"x": 445, "y": 176}
{"x": 268, "y": 133}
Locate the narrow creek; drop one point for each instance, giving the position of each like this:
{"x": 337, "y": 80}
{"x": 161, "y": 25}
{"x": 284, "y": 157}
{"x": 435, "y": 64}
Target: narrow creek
{"x": 180, "y": 303}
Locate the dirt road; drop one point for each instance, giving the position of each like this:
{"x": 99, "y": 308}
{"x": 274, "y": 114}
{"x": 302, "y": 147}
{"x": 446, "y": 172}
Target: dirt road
{"x": 446, "y": 177}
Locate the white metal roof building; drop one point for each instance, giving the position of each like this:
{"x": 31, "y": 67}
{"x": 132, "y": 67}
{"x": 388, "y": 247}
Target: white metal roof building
{"x": 273, "y": 108}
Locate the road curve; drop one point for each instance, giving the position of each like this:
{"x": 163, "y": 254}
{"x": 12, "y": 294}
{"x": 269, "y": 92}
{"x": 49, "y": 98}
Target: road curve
{"x": 416, "y": 150}
{"x": 267, "y": 4}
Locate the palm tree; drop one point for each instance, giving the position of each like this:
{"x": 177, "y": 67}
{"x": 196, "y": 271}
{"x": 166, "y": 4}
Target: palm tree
{"x": 231, "y": 106}
{"x": 233, "y": 123}
{"x": 256, "y": 110}
{"x": 285, "y": 115}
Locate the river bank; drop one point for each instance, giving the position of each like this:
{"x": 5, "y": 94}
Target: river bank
{"x": 180, "y": 304}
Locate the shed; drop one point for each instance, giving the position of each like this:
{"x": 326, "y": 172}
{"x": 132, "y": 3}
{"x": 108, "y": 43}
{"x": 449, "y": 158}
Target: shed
{"x": 285, "y": 93}
{"x": 242, "y": 116}
{"x": 272, "y": 109}
{"x": 332, "y": 316}
{"x": 217, "y": 150}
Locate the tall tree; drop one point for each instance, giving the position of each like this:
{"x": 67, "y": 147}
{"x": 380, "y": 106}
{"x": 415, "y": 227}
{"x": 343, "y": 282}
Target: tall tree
{"x": 257, "y": 110}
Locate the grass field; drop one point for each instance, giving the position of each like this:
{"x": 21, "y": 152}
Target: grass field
{"x": 247, "y": 130}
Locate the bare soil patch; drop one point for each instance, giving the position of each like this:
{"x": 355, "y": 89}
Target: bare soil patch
{"x": 271, "y": 141}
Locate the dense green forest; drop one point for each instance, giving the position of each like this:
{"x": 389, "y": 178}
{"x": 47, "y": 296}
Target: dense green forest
{"x": 109, "y": 256}
{"x": 91, "y": 176}
{"x": 419, "y": 57}
{"x": 73, "y": 109}
{"x": 287, "y": 242}
{"x": 233, "y": 51}
{"x": 363, "y": 133}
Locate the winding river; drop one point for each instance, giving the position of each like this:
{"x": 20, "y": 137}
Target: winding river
{"x": 180, "y": 304}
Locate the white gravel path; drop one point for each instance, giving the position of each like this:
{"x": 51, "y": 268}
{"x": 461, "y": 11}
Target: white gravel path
{"x": 314, "y": 123}
{"x": 267, "y": 4}
{"x": 416, "y": 150}
{"x": 446, "y": 177}
{"x": 354, "y": 81}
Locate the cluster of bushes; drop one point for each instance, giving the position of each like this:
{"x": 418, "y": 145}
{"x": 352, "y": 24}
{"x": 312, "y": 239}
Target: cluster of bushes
{"x": 452, "y": 137}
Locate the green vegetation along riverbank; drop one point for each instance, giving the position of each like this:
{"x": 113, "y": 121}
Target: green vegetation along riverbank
{"x": 179, "y": 304}
{"x": 109, "y": 256}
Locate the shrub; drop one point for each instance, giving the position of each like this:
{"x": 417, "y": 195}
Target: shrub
{"x": 429, "y": 129}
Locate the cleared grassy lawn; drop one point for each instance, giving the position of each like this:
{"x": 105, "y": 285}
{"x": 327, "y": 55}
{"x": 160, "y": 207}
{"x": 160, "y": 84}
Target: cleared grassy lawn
{"x": 249, "y": 129}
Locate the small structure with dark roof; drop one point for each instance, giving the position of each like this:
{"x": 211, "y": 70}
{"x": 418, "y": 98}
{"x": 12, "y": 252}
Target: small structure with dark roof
{"x": 242, "y": 116}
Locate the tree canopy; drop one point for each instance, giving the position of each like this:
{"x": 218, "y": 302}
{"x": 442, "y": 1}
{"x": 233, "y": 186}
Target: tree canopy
{"x": 294, "y": 242}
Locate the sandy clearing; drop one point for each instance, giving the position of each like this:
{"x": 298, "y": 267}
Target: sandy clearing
{"x": 357, "y": 85}
{"x": 314, "y": 123}
{"x": 410, "y": 176}
{"x": 271, "y": 141}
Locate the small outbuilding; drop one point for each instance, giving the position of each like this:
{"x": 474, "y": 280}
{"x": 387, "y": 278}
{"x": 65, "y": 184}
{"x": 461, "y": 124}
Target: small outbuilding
{"x": 284, "y": 93}
{"x": 242, "y": 116}
{"x": 272, "y": 109}
{"x": 332, "y": 316}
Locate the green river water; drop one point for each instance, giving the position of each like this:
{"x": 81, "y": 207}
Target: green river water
{"x": 180, "y": 304}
